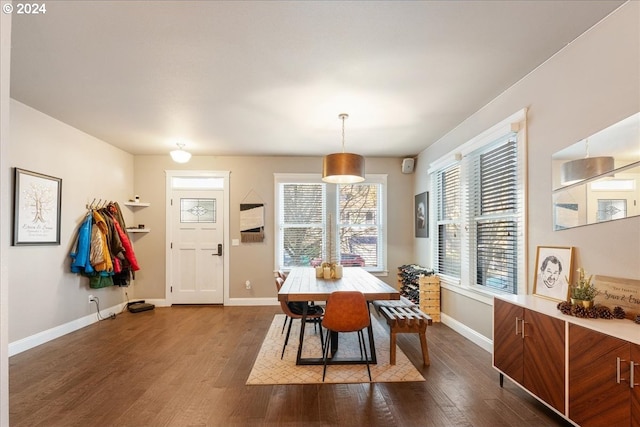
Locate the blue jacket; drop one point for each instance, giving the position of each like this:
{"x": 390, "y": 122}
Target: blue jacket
{"x": 80, "y": 262}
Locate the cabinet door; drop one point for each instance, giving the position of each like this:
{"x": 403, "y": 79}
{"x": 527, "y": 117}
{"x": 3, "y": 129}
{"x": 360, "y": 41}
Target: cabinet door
{"x": 544, "y": 373}
{"x": 507, "y": 340}
{"x": 595, "y": 397}
{"x": 635, "y": 391}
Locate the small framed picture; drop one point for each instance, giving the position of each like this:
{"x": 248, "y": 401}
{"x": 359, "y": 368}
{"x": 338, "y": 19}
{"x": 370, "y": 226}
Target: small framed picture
{"x": 422, "y": 214}
{"x": 554, "y": 269}
{"x": 36, "y": 203}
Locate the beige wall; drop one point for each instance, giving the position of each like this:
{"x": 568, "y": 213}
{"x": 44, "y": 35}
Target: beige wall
{"x": 588, "y": 86}
{"x": 43, "y": 292}
{"x": 252, "y": 180}
{"x": 5, "y": 72}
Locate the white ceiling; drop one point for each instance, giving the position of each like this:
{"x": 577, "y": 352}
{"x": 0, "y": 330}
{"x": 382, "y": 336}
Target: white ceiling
{"x": 271, "y": 77}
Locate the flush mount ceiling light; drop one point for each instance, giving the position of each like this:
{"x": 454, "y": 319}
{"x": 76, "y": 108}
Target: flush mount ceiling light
{"x": 179, "y": 155}
{"x": 343, "y": 168}
{"x": 577, "y": 170}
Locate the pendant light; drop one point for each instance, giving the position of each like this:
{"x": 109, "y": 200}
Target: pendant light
{"x": 343, "y": 168}
{"x": 577, "y": 170}
{"x": 180, "y": 155}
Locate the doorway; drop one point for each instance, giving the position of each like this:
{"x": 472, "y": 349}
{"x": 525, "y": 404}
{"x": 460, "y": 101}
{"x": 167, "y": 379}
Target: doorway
{"x": 197, "y": 237}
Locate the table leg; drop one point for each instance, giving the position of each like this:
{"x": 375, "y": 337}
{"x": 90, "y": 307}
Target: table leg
{"x": 372, "y": 344}
{"x": 303, "y": 321}
{"x": 334, "y": 343}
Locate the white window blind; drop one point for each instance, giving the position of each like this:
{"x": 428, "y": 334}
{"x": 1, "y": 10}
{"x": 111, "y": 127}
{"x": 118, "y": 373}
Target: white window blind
{"x": 359, "y": 226}
{"x": 302, "y": 223}
{"x": 448, "y": 237}
{"x": 493, "y": 220}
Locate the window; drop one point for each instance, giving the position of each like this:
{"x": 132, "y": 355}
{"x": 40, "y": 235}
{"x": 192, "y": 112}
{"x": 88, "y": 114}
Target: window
{"x": 448, "y": 221}
{"x": 479, "y": 212}
{"x": 317, "y": 221}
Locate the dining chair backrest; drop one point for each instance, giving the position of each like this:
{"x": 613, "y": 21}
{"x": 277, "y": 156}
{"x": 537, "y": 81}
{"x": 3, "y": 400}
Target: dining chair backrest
{"x": 281, "y": 275}
{"x": 287, "y": 310}
{"x": 346, "y": 311}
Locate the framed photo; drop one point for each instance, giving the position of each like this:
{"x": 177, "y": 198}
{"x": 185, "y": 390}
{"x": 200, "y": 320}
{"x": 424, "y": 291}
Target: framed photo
{"x": 554, "y": 272}
{"x": 422, "y": 214}
{"x": 36, "y": 208}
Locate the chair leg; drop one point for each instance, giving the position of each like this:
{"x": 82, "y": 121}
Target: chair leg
{"x": 285, "y": 323}
{"x": 286, "y": 340}
{"x": 321, "y": 336}
{"x": 325, "y": 353}
{"x": 366, "y": 357}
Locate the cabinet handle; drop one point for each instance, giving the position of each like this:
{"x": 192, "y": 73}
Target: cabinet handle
{"x": 618, "y": 379}
{"x": 631, "y": 379}
{"x": 517, "y": 331}
{"x": 522, "y": 330}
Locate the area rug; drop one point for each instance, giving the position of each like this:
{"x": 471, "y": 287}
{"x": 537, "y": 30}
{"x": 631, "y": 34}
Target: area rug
{"x": 270, "y": 369}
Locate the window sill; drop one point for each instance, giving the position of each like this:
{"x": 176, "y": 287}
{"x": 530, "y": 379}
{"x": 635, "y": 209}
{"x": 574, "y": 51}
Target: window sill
{"x": 469, "y": 292}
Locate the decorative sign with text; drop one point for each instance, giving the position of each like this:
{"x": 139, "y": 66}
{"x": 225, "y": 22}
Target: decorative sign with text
{"x": 614, "y": 291}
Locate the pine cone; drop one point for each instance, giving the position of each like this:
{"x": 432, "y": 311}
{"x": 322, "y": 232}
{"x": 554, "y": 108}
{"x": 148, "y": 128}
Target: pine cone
{"x": 578, "y": 310}
{"x": 618, "y": 312}
{"x": 564, "y": 307}
{"x": 592, "y": 313}
{"x": 604, "y": 312}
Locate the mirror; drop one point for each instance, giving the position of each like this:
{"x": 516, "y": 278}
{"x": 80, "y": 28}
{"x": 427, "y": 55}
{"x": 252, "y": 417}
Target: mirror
{"x": 598, "y": 188}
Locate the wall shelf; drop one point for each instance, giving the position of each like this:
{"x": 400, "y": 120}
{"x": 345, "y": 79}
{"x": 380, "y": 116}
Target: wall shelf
{"x": 138, "y": 230}
{"x": 137, "y": 204}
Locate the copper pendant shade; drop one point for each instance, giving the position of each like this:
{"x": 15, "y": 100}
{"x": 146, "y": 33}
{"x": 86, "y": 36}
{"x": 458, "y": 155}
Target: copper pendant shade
{"x": 343, "y": 168}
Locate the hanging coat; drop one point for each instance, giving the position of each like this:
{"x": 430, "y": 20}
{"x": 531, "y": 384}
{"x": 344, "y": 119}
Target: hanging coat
{"x": 99, "y": 244}
{"x": 80, "y": 262}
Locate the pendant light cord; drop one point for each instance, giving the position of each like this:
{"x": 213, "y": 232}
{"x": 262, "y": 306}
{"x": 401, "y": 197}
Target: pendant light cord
{"x": 343, "y": 116}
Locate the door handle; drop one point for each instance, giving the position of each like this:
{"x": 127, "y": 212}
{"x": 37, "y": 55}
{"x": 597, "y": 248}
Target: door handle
{"x": 219, "y": 249}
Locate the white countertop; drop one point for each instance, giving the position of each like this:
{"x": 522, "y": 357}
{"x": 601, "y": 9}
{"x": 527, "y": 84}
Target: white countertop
{"x": 624, "y": 329}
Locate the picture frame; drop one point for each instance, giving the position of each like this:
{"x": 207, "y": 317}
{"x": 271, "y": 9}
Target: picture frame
{"x": 37, "y": 201}
{"x": 421, "y": 214}
{"x": 554, "y": 272}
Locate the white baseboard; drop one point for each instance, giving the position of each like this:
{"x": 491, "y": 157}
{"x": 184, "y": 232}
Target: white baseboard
{"x": 473, "y": 336}
{"x": 231, "y": 302}
{"x": 32, "y": 341}
{"x": 253, "y": 301}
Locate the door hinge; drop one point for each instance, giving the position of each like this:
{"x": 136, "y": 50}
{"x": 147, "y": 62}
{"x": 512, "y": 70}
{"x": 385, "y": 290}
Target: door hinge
{"x": 171, "y": 245}
{"x": 171, "y": 289}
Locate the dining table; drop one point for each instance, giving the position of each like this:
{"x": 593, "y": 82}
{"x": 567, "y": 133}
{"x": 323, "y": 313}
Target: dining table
{"x": 302, "y": 285}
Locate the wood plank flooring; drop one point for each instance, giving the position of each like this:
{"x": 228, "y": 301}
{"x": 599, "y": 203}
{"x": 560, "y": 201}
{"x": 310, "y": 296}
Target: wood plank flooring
{"x": 187, "y": 366}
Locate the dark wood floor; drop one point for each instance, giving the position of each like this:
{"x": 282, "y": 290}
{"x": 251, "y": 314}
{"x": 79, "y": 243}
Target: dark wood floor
{"x": 187, "y": 366}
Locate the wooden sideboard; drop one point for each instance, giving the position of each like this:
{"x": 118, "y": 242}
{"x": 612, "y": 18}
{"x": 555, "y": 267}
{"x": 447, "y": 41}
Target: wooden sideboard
{"x": 587, "y": 370}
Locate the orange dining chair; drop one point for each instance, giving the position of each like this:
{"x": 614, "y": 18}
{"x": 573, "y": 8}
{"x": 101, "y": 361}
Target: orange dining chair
{"x": 314, "y": 317}
{"x": 283, "y": 276}
{"x": 346, "y": 311}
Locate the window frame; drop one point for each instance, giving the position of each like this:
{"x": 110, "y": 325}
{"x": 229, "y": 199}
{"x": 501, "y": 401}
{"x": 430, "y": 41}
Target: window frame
{"x": 466, "y": 283}
{"x": 331, "y": 214}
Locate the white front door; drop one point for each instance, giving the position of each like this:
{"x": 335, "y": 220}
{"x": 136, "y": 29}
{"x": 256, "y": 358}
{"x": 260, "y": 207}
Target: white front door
{"x": 196, "y": 246}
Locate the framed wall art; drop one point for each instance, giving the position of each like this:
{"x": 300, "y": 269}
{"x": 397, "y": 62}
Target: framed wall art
{"x": 422, "y": 214}
{"x": 36, "y": 208}
{"x": 554, "y": 271}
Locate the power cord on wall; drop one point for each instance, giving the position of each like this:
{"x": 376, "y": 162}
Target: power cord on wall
{"x": 97, "y": 301}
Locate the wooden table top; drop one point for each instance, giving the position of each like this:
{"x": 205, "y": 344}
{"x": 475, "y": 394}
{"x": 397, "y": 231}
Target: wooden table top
{"x": 302, "y": 285}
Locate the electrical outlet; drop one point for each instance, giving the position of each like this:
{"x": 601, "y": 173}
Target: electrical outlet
{"x": 247, "y": 285}
{"x": 91, "y": 298}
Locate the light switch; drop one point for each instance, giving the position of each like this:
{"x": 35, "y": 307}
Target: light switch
{"x": 235, "y": 242}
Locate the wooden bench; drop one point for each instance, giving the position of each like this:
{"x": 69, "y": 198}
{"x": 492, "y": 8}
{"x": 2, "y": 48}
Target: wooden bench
{"x": 405, "y": 317}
